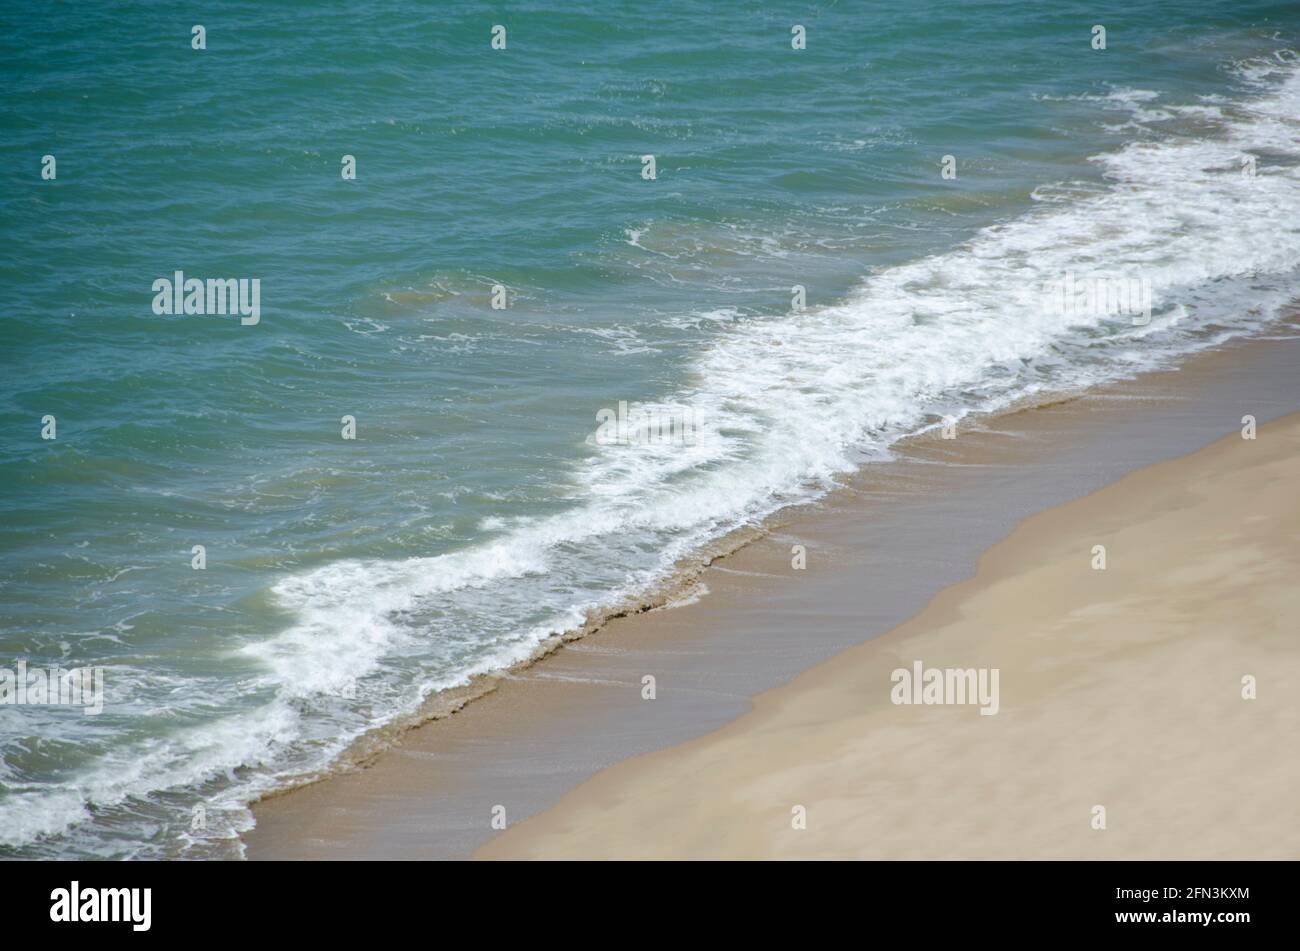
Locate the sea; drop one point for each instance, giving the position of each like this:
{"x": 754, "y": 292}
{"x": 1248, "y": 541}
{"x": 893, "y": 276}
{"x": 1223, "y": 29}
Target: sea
{"x": 551, "y": 298}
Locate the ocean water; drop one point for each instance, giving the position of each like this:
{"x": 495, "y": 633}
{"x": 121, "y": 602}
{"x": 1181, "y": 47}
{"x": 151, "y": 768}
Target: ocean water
{"x": 481, "y": 508}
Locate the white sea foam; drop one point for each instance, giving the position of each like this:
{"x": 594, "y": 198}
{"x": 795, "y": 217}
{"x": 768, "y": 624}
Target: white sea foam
{"x": 783, "y": 405}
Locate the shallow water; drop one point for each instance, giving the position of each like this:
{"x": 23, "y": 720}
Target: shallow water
{"x": 478, "y": 510}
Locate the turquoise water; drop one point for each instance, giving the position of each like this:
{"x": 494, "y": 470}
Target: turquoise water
{"x": 477, "y": 511}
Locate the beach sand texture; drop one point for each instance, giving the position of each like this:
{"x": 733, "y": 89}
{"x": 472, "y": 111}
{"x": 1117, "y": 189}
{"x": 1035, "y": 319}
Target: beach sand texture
{"x": 1120, "y": 688}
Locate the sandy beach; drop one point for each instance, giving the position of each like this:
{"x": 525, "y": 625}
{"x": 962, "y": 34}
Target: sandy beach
{"x": 651, "y": 432}
{"x": 878, "y": 553}
{"x": 1162, "y": 687}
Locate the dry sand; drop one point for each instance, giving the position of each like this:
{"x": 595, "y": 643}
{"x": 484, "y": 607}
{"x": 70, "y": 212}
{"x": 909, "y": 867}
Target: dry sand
{"x": 1119, "y": 688}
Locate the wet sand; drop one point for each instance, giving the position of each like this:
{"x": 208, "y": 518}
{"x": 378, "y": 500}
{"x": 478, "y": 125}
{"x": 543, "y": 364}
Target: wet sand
{"x": 877, "y": 551}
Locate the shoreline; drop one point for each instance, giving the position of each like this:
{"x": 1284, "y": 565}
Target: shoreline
{"x": 348, "y": 810}
{"x": 1141, "y": 710}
